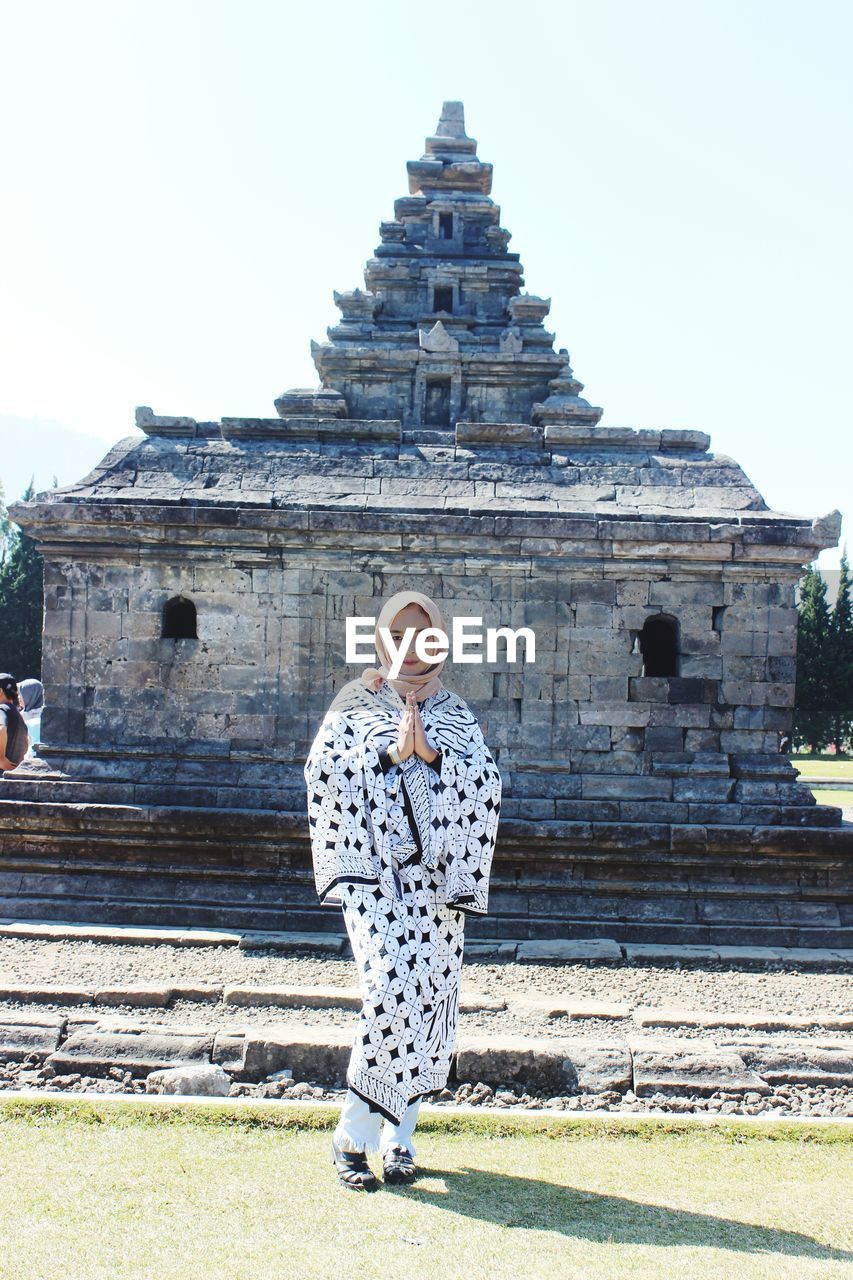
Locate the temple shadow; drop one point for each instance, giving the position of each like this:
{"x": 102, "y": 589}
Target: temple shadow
{"x": 532, "y": 1204}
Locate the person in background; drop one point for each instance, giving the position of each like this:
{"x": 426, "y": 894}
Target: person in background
{"x": 14, "y": 736}
{"x": 32, "y": 705}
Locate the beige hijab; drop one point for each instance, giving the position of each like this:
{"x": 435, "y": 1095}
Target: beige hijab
{"x": 426, "y": 682}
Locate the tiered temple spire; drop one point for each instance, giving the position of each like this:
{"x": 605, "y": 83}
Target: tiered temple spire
{"x": 443, "y": 333}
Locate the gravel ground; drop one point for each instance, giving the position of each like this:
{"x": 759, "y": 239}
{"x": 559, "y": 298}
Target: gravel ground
{"x": 717, "y": 987}
{"x": 785, "y": 1100}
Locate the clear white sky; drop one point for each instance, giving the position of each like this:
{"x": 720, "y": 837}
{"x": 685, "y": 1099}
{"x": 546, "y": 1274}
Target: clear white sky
{"x": 184, "y": 183}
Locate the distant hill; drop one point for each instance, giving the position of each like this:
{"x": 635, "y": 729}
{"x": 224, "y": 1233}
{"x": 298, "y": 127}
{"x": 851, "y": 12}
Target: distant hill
{"x": 33, "y": 446}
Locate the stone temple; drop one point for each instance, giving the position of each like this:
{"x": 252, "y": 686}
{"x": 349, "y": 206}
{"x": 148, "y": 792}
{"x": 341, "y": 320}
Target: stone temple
{"x": 197, "y": 583}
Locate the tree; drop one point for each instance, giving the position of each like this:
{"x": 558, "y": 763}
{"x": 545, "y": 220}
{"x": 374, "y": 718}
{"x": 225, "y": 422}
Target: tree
{"x": 5, "y": 525}
{"x": 841, "y": 660}
{"x": 813, "y": 719}
{"x": 21, "y": 597}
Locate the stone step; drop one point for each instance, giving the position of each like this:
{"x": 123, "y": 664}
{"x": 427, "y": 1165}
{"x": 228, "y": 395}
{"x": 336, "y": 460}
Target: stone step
{"x": 153, "y": 996}
{"x": 145, "y": 995}
{"x": 553, "y": 1006}
{"x": 596, "y": 900}
{"x": 553, "y": 951}
{"x": 705, "y": 882}
{"x": 228, "y": 788}
{"x": 222, "y": 795}
{"x": 763, "y": 1021}
{"x": 150, "y": 762}
{"x": 209, "y": 902}
{"x": 646, "y": 1065}
{"x": 64, "y": 930}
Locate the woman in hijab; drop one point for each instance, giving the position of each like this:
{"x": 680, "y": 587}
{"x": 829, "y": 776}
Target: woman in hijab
{"x": 32, "y": 706}
{"x": 403, "y": 807}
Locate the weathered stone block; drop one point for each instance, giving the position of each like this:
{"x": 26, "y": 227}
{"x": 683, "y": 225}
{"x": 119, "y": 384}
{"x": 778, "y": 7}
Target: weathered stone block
{"x": 609, "y": 688}
{"x": 674, "y": 594}
{"x": 593, "y": 615}
{"x": 799, "y": 1062}
{"x": 207, "y": 1081}
{"x": 676, "y": 1067}
{"x": 692, "y": 690}
{"x": 648, "y": 689}
{"x": 311, "y": 1053}
{"x": 543, "y": 783}
{"x": 598, "y": 590}
{"x": 93, "y": 1050}
{"x": 568, "y": 950}
{"x": 663, "y": 738}
{"x": 21, "y": 1035}
{"x": 613, "y": 713}
{"x": 588, "y": 737}
{"x": 644, "y": 787}
{"x": 702, "y": 665}
{"x": 548, "y": 1063}
{"x": 627, "y": 738}
{"x": 686, "y": 714}
{"x": 716, "y": 790}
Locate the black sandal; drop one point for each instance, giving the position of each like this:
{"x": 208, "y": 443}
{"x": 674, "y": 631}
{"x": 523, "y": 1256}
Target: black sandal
{"x": 398, "y": 1165}
{"x": 353, "y": 1170}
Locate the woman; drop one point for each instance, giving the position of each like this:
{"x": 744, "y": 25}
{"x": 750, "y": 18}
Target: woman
{"x": 14, "y": 738}
{"x": 403, "y": 806}
{"x": 32, "y": 706}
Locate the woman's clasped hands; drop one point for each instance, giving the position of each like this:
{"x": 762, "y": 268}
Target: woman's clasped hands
{"x": 411, "y": 734}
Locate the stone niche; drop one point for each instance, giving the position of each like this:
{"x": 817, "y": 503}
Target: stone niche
{"x": 197, "y": 584}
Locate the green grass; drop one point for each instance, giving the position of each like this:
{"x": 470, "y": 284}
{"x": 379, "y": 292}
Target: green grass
{"x": 832, "y": 795}
{"x": 94, "y": 1191}
{"x": 823, "y": 767}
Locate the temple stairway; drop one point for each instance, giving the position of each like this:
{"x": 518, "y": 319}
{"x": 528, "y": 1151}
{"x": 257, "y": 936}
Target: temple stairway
{"x": 210, "y": 840}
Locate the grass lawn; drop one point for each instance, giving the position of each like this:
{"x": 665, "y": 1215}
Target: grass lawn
{"x": 823, "y": 766}
{"x": 831, "y": 795}
{"x": 90, "y": 1191}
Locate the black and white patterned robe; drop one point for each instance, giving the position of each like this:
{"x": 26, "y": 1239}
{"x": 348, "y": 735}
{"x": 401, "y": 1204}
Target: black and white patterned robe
{"x": 407, "y": 853}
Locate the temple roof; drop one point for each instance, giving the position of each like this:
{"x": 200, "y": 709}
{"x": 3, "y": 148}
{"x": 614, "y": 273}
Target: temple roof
{"x": 310, "y": 462}
{"x": 442, "y": 332}
{"x": 449, "y": 162}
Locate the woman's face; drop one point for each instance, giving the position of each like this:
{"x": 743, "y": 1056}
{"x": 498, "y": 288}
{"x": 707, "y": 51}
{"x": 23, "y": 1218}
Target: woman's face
{"x": 411, "y": 616}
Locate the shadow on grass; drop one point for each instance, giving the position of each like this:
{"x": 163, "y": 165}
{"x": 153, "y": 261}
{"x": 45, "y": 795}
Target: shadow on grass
{"x": 532, "y": 1204}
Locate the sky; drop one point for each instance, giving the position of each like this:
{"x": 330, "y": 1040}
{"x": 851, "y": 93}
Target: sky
{"x": 184, "y": 184}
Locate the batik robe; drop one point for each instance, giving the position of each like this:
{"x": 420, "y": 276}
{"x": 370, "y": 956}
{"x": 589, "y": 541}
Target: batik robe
{"x": 406, "y": 851}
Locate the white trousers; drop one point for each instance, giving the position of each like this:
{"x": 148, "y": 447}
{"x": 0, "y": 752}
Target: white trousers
{"x": 358, "y": 1127}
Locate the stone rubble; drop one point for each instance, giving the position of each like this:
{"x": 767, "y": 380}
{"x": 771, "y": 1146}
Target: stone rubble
{"x": 766, "y": 985}
{"x": 782, "y": 1100}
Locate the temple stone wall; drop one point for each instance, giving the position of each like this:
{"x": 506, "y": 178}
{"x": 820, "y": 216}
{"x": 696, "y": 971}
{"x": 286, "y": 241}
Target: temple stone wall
{"x": 270, "y": 654}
